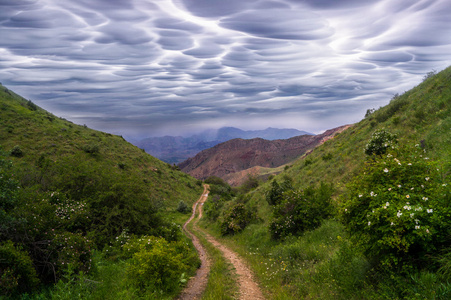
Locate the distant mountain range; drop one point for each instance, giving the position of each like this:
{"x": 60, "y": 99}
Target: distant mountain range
{"x": 176, "y": 149}
{"x": 238, "y": 155}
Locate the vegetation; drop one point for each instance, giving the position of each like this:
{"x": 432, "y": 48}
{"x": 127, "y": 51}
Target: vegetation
{"x": 69, "y": 193}
{"x": 84, "y": 214}
{"x": 385, "y": 232}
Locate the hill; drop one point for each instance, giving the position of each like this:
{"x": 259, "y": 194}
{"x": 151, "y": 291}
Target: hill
{"x": 175, "y": 149}
{"x": 233, "y": 156}
{"x": 80, "y": 190}
{"x": 344, "y": 224}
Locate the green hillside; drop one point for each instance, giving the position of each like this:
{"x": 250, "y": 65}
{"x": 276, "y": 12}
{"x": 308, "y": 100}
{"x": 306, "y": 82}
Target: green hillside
{"x": 307, "y": 233}
{"x": 79, "y": 189}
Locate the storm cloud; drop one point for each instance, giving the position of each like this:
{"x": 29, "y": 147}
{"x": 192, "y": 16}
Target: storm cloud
{"x": 147, "y": 68}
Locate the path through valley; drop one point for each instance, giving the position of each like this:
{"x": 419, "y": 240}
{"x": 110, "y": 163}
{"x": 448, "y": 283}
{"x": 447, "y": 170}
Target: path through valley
{"x": 248, "y": 288}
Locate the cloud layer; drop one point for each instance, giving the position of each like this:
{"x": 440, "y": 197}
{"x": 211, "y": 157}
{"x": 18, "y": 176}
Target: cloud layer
{"x": 143, "y": 68}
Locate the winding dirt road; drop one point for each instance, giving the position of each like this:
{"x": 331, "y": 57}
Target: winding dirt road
{"x": 248, "y": 288}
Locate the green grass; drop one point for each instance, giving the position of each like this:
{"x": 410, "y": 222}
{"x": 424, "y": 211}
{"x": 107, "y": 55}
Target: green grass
{"x": 119, "y": 186}
{"x": 221, "y": 280}
{"x": 323, "y": 264}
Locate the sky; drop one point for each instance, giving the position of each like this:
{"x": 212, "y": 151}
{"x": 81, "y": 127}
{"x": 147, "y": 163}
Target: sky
{"x": 142, "y": 68}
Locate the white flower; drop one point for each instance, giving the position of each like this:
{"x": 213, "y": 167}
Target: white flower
{"x": 407, "y": 196}
{"x": 429, "y": 211}
{"x": 391, "y": 224}
{"x": 427, "y": 178}
{"x": 425, "y": 198}
{"x": 386, "y": 170}
{"x": 417, "y": 226}
{"x": 411, "y": 215}
{"x": 360, "y": 196}
{"x": 399, "y": 214}
{"x": 369, "y": 223}
{"x": 409, "y": 164}
{"x": 427, "y": 230}
{"x": 387, "y": 204}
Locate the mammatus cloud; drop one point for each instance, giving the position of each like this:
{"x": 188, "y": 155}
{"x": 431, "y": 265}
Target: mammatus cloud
{"x": 142, "y": 68}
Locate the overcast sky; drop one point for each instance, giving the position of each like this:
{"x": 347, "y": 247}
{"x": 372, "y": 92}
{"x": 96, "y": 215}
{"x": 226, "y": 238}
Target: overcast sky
{"x": 155, "y": 67}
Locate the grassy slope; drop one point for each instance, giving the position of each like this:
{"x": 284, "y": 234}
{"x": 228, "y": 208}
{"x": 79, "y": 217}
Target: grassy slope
{"x": 39, "y": 134}
{"x": 421, "y": 114}
{"x": 124, "y": 188}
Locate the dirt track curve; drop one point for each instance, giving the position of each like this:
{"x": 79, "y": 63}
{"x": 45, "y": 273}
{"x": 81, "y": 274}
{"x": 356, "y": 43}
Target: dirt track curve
{"x": 248, "y": 288}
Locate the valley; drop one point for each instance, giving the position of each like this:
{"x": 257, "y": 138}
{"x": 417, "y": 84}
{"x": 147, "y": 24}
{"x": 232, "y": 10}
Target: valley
{"x": 248, "y": 288}
{"x": 359, "y": 212}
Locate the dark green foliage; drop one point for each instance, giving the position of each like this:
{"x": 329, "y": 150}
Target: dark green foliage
{"x": 398, "y": 209}
{"x": 252, "y": 182}
{"x": 17, "y": 274}
{"x": 274, "y": 195}
{"x": 8, "y": 197}
{"x": 212, "y": 208}
{"x": 380, "y": 142}
{"x": 73, "y": 200}
{"x": 429, "y": 74}
{"x": 183, "y": 208}
{"x": 308, "y": 161}
{"x": 327, "y": 156}
{"x": 91, "y": 149}
{"x": 157, "y": 264}
{"x": 369, "y": 112}
{"x": 16, "y": 151}
{"x": 219, "y": 187}
{"x": 31, "y": 105}
{"x": 301, "y": 211}
{"x": 235, "y": 219}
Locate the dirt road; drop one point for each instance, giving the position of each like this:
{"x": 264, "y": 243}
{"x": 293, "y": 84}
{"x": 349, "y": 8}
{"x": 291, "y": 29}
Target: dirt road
{"x": 248, "y": 288}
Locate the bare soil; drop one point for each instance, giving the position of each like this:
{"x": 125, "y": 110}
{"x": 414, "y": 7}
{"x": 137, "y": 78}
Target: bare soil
{"x": 248, "y": 288}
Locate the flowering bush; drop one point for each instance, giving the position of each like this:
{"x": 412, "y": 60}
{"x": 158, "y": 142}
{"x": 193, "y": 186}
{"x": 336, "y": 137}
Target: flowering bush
{"x": 398, "y": 209}
{"x": 235, "y": 219}
{"x": 380, "y": 142}
{"x": 300, "y": 211}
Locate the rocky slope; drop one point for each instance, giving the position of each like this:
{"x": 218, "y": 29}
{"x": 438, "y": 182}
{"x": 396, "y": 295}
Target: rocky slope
{"x": 237, "y": 155}
{"x": 176, "y": 149}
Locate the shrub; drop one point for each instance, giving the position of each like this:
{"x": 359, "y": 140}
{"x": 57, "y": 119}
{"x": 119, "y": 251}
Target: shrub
{"x": 17, "y": 274}
{"x": 213, "y": 207}
{"x": 397, "y": 209}
{"x": 16, "y": 151}
{"x": 91, "y": 149}
{"x": 380, "y": 141}
{"x": 301, "y": 211}
{"x": 158, "y": 264}
{"x": 275, "y": 194}
{"x": 235, "y": 219}
{"x": 369, "y": 112}
{"x": 31, "y": 105}
{"x": 327, "y": 156}
{"x": 182, "y": 207}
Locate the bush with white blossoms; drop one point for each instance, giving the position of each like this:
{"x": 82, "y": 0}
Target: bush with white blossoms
{"x": 380, "y": 142}
{"x": 398, "y": 209}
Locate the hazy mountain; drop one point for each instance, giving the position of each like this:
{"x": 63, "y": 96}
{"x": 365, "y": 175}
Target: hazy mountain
{"x": 237, "y": 155}
{"x": 175, "y": 149}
